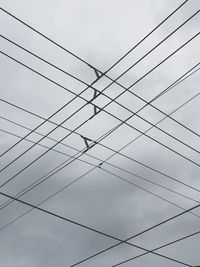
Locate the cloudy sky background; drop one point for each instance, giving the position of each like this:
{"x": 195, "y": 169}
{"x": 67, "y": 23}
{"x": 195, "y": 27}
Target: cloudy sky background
{"x": 100, "y": 33}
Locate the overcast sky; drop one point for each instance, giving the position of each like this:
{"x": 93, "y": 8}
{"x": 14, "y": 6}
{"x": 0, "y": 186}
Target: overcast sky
{"x": 100, "y": 33}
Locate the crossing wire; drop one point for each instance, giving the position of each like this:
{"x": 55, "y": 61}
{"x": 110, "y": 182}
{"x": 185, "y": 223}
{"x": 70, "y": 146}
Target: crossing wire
{"x": 101, "y": 93}
{"x": 100, "y": 232}
{"x": 172, "y": 150}
{"x": 115, "y": 81}
{"x": 160, "y": 247}
{"x": 61, "y": 166}
{"x": 104, "y": 250}
{"x": 178, "y": 81}
{"x": 79, "y": 58}
{"x": 144, "y": 165}
{"x": 91, "y": 156}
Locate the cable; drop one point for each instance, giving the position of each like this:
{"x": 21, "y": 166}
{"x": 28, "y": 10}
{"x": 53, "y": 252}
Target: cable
{"x": 98, "y": 231}
{"x": 160, "y": 247}
{"x": 125, "y": 156}
{"x": 128, "y": 239}
{"x": 77, "y": 57}
{"x": 89, "y": 86}
{"x": 91, "y": 156}
{"x": 114, "y": 115}
{"x": 174, "y": 84}
{"x": 115, "y": 81}
{"x": 39, "y": 181}
{"x": 60, "y": 167}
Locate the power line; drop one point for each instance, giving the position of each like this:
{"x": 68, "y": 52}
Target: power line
{"x": 61, "y": 166}
{"x": 109, "y": 112}
{"x": 39, "y": 181}
{"x": 91, "y": 156}
{"x": 77, "y": 57}
{"x": 128, "y": 239}
{"x": 90, "y": 86}
{"x": 114, "y": 81}
{"x": 160, "y": 247}
{"x": 174, "y": 84}
{"x": 134, "y": 160}
{"x": 98, "y": 231}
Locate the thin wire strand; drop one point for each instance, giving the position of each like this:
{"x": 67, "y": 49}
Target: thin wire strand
{"x": 115, "y": 81}
{"x": 90, "y": 86}
{"x": 167, "y": 147}
{"x": 98, "y": 231}
{"x": 61, "y": 166}
{"x": 160, "y": 247}
{"x": 125, "y": 156}
{"x": 77, "y": 57}
{"x": 91, "y": 156}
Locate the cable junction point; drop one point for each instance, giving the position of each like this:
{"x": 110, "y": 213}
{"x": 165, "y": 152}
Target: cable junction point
{"x": 88, "y": 142}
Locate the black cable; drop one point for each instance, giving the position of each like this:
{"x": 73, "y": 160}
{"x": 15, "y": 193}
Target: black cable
{"x": 128, "y": 239}
{"x": 98, "y": 231}
{"x": 91, "y": 156}
{"x": 174, "y": 84}
{"x": 77, "y": 57}
{"x": 115, "y": 81}
{"x": 27, "y": 189}
{"x": 160, "y": 247}
{"x": 90, "y": 86}
{"x": 114, "y": 100}
{"x": 134, "y": 160}
{"x": 65, "y": 163}
{"x": 43, "y": 122}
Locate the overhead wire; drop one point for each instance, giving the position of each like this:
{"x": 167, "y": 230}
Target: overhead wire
{"x": 91, "y": 156}
{"x": 160, "y": 247}
{"x": 104, "y": 73}
{"x": 120, "y": 75}
{"x": 61, "y": 166}
{"x": 144, "y": 165}
{"x": 197, "y": 164}
{"x": 104, "y": 250}
{"x": 101, "y": 92}
{"x": 79, "y": 58}
{"x": 178, "y": 81}
{"x": 101, "y": 232}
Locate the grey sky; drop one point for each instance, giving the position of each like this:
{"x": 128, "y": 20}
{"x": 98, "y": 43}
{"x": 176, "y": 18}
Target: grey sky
{"x": 100, "y": 33}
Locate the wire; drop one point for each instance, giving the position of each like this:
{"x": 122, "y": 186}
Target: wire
{"x": 60, "y": 167}
{"x": 77, "y": 57}
{"x": 115, "y": 81}
{"x": 155, "y": 249}
{"x": 125, "y": 156}
{"x": 98, "y": 231}
{"x": 39, "y": 181}
{"x": 128, "y": 239}
{"x": 89, "y": 86}
{"x": 107, "y": 113}
{"x": 91, "y": 156}
{"x": 174, "y": 84}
